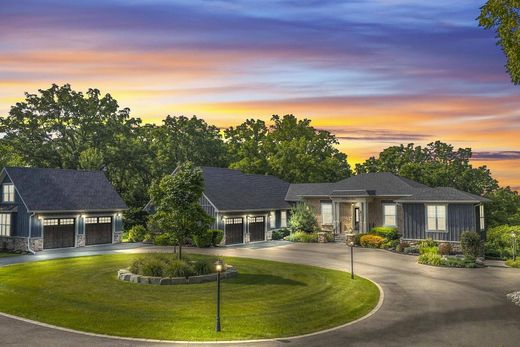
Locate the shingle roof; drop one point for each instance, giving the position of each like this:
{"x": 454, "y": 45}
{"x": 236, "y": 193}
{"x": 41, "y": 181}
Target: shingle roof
{"x": 443, "y": 194}
{"x": 65, "y": 190}
{"x": 233, "y": 190}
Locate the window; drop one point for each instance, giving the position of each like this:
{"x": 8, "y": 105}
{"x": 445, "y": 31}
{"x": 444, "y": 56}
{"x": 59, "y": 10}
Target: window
{"x": 389, "y": 214}
{"x": 67, "y": 221}
{"x": 5, "y": 224}
{"x": 50, "y": 222}
{"x": 90, "y": 220}
{"x": 8, "y": 192}
{"x": 233, "y": 221}
{"x": 272, "y": 219}
{"x": 481, "y": 217}
{"x": 283, "y": 223}
{"x": 436, "y": 217}
{"x": 105, "y": 220}
{"x": 326, "y": 212}
{"x": 356, "y": 215}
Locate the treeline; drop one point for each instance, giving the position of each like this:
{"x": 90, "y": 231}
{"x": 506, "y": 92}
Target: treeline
{"x": 62, "y": 128}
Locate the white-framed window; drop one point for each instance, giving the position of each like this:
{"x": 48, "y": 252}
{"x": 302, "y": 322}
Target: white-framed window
{"x": 233, "y": 221}
{"x": 105, "y": 220}
{"x": 389, "y": 215}
{"x": 326, "y": 212}
{"x": 90, "y": 220}
{"x": 283, "y": 222}
{"x": 8, "y": 192}
{"x": 50, "y": 222}
{"x": 5, "y": 224}
{"x": 67, "y": 221}
{"x": 436, "y": 217}
{"x": 481, "y": 217}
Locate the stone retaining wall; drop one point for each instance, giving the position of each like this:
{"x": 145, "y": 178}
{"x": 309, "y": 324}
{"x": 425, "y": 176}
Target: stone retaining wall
{"x": 125, "y": 275}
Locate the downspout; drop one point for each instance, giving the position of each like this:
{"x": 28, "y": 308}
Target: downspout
{"x": 30, "y": 233}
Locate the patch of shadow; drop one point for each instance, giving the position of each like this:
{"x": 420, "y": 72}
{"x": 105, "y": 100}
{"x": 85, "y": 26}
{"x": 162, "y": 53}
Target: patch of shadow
{"x": 265, "y": 280}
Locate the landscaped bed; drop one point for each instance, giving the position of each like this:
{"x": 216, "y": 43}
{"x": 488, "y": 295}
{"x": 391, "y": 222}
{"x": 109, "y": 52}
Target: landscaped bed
{"x": 266, "y": 300}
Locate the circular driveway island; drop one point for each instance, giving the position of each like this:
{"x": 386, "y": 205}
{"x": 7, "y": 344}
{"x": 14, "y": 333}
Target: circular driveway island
{"x": 423, "y": 306}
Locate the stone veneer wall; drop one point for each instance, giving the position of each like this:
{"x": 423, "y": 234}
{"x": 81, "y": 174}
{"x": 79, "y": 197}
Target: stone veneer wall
{"x": 117, "y": 237}
{"x": 20, "y": 243}
{"x": 80, "y": 240}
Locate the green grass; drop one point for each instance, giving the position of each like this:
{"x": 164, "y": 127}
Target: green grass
{"x": 267, "y": 299}
{"x": 513, "y": 263}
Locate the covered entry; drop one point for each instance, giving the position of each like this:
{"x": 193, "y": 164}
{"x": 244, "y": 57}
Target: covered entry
{"x": 256, "y": 228}
{"x": 58, "y": 233}
{"x": 234, "y": 230}
{"x": 98, "y": 230}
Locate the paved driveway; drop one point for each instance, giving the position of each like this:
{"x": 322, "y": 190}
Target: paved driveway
{"x": 424, "y": 306}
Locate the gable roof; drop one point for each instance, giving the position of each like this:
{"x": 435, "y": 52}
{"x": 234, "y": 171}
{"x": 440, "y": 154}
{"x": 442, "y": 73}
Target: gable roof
{"x": 64, "y": 190}
{"x": 233, "y": 190}
{"x": 440, "y": 194}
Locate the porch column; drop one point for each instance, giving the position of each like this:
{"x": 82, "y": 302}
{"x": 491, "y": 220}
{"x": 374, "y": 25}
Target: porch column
{"x": 365, "y": 216}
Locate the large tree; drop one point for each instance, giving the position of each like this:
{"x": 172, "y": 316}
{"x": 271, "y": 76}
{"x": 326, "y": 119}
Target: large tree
{"x": 437, "y": 164}
{"x": 504, "y": 17}
{"x": 289, "y": 148}
{"x": 176, "y": 202}
{"x": 504, "y": 207}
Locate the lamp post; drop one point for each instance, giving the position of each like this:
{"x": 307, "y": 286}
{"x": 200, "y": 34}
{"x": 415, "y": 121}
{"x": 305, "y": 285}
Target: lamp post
{"x": 513, "y": 237}
{"x": 218, "y": 266}
{"x": 351, "y": 245}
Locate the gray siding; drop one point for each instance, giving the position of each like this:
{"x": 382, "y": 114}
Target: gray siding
{"x": 460, "y": 218}
{"x": 212, "y": 211}
{"x": 19, "y": 219}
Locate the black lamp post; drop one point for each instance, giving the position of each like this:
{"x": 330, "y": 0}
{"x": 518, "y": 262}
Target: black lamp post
{"x": 351, "y": 245}
{"x": 218, "y": 266}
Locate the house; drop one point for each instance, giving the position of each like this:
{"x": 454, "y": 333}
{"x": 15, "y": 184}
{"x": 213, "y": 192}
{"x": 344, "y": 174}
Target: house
{"x": 57, "y": 208}
{"x": 361, "y": 202}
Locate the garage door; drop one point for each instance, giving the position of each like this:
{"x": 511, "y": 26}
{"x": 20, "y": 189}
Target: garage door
{"x": 98, "y": 230}
{"x": 256, "y": 228}
{"x": 234, "y": 229}
{"x": 58, "y": 233}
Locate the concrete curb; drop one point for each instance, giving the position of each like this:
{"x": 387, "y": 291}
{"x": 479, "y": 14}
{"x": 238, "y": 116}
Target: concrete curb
{"x": 135, "y": 339}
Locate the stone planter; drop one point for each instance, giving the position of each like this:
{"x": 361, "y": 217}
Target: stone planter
{"x": 127, "y": 276}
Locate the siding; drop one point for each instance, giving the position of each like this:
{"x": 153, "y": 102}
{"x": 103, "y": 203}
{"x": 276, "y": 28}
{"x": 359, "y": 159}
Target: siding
{"x": 20, "y": 219}
{"x": 461, "y": 217}
{"x": 212, "y": 211}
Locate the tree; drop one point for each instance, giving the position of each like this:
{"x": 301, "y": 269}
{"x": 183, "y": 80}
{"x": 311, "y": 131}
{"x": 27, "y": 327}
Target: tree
{"x": 289, "y": 148}
{"x": 504, "y": 17}
{"x": 436, "y": 165}
{"x": 504, "y": 207}
{"x": 176, "y": 202}
{"x": 303, "y": 218}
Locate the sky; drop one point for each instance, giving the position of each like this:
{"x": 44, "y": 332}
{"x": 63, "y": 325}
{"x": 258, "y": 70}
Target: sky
{"x": 374, "y": 73}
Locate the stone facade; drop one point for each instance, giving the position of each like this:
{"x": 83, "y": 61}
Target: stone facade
{"x": 117, "y": 237}
{"x": 80, "y": 240}
{"x": 20, "y": 243}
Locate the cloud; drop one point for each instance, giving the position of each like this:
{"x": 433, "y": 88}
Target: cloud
{"x": 496, "y": 155}
{"x": 378, "y": 135}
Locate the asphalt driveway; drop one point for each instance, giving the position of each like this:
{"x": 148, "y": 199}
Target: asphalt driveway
{"x": 423, "y": 306}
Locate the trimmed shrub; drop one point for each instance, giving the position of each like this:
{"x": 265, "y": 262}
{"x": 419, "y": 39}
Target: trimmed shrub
{"x": 357, "y": 239}
{"x": 371, "y": 241}
{"x": 471, "y": 244}
{"x": 389, "y": 233}
{"x": 445, "y": 248}
{"x": 136, "y": 233}
{"x": 165, "y": 265}
{"x": 217, "y": 236}
{"x": 402, "y": 246}
{"x": 390, "y": 244}
{"x": 203, "y": 240}
{"x": 300, "y": 236}
{"x": 280, "y": 233}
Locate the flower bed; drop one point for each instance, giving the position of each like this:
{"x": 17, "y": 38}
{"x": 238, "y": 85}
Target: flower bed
{"x": 126, "y": 275}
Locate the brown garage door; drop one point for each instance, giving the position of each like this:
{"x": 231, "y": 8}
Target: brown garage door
{"x": 98, "y": 230}
{"x": 256, "y": 228}
{"x": 234, "y": 229}
{"x": 58, "y": 233}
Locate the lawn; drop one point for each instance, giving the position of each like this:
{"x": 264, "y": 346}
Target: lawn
{"x": 267, "y": 299}
{"x": 8, "y": 254}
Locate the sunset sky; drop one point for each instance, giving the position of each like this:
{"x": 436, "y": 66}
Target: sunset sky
{"x": 375, "y": 73}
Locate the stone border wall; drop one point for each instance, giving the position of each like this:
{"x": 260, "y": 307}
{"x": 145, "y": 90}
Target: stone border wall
{"x": 127, "y": 276}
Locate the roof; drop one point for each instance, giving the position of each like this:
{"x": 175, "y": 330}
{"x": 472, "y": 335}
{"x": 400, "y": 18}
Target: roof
{"x": 233, "y": 190}
{"x": 381, "y": 184}
{"x": 64, "y": 190}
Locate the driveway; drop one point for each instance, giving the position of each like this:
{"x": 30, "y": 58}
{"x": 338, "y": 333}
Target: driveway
{"x": 423, "y": 306}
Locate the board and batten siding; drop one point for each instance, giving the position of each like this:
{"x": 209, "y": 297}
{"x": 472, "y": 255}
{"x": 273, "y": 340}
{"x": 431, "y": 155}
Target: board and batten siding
{"x": 20, "y": 218}
{"x": 211, "y": 210}
{"x": 460, "y": 218}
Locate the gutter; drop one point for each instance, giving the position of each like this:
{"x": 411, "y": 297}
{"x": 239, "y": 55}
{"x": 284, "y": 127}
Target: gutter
{"x": 29, "y": 237}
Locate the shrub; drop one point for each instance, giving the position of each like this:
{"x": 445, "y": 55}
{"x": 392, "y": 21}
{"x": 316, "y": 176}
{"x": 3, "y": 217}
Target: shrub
{"x": 445, "y": 248}
{"x": 357, "y": 239}
{"x": 402, "y": 246}
{"x": 280, "y": 233}
{"x": 217, "y": 236}
{"x": 330, "y": 237}
{"x": 371, "y": 241}
{"x": 429, "y": 250}
{"x": 300, "y": 236}
{"x": 499, "y": 241}
{"x": 390, "y": 244}
{"x": 202, "y": 267}
{"x": 203, "y": 240}
{"x": 163, "y": 240}
{"x": 513, "y": 263}
{"x": 165, "y": 265}
{"x": 136, "y": 233}
{"x": 470, "y": 244}
{"x": 430, "y": 259}
{"x": 429, "y": 242}
{"x": 411, "y": 250}
{"x": 389, "y": 233}
{"x": 178, "y": 268}
{"x": 303, "y": 218}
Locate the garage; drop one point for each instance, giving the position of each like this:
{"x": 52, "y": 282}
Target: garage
{"x": 256, "y": 228}
{"x": 234, "y": 230}
{"x": 58, "y": 233}
{"x": 98, "y": 230}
